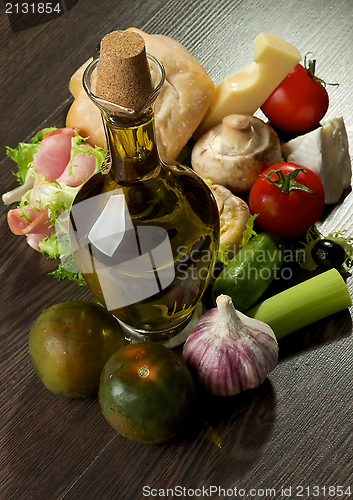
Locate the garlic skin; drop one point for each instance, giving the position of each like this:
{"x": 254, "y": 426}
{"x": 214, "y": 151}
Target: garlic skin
{"x": 230, "y": 351}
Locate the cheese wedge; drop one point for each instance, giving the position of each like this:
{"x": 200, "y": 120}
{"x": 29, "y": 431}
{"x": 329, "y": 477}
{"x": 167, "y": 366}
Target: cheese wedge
{"x": 325, "y": 151}
{"x": 245, "y": 91}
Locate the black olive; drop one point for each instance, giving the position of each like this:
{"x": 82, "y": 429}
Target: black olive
{"x": 328, "y": 254}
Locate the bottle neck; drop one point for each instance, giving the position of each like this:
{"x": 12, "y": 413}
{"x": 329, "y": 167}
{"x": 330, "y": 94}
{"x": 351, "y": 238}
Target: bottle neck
{"x": 133, "y": 148}
{"x": 130, "y": 134}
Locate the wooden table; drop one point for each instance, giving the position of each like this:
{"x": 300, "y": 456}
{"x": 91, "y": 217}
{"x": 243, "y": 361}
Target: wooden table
{"x": 295, "y": 430}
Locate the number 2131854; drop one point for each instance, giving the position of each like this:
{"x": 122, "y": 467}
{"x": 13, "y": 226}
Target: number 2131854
{"x": 33, "y": 8}
{"x": 323, "y": 491}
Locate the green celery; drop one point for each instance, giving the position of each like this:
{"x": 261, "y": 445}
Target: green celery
{"x": 303, "y": 304}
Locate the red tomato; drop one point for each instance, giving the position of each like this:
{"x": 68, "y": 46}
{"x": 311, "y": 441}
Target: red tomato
{"x": 298, "y": 103}
{"x": 283, "y": 204}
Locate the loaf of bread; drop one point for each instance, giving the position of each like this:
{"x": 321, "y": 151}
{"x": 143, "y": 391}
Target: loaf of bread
{"x": 83, "y": 114}
{"x": 179, "y": 109}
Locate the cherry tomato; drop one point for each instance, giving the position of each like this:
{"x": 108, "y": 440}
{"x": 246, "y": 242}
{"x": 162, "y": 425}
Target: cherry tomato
{"x": 288, "y": 199}
{"x": 69, "y": 344}
{"x": 146, "y": 392}
{"x": 298, "y": 103}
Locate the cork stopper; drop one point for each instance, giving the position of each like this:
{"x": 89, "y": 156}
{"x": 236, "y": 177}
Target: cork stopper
{"x": 123, "y": 74}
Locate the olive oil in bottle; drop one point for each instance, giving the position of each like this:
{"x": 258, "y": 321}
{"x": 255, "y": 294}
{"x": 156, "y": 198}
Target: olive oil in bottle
{"x": 144, "y": 231}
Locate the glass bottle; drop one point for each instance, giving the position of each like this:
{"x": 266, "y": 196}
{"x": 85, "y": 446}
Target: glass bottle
{"x": 144, "y": 231}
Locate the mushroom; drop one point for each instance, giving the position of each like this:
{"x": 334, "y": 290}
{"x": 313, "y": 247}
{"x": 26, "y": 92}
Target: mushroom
{"x": 235, "y": 152}
{"x": 233, "y": 215}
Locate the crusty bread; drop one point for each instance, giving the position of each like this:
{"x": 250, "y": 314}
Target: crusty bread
{"x": 83, "y": 113}
{"x": 75, "y": 85}
{"x": 180, "y": 108}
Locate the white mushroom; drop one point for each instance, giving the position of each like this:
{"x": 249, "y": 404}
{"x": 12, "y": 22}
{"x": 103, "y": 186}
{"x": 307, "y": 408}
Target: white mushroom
{"x": 233, "y": 214}
{"x": 235, "y": 152}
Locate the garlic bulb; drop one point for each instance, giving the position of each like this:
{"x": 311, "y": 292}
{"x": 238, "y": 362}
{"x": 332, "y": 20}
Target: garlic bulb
{"x": 230, "y": 351}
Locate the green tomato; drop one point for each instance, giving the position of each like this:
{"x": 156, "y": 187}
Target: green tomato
{"x": 146, "y": 392}
{"x": 69, "y": 343}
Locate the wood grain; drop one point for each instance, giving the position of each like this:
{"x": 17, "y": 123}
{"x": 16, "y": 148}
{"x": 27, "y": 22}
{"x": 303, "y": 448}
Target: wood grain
{"x": 296, "y": 428}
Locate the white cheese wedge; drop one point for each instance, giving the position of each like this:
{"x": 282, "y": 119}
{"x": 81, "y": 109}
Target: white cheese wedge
{"x": 325, "y": 151}
{"x": 245, "y": 91}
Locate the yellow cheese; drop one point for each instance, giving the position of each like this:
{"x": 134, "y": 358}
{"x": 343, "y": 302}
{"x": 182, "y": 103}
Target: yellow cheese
{"x": 245, "y": 91}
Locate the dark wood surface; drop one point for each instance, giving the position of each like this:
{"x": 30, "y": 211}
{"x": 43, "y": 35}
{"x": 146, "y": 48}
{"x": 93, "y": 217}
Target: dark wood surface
{"x": 296, "y": 429}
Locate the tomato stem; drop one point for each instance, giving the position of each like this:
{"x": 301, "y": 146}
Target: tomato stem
{"x": 287, "y": 182}
{"x": 144, "y": 371}
{"x": 310, "y": 66}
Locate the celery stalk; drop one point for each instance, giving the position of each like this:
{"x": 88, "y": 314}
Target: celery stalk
{"x": 302, "y": 304}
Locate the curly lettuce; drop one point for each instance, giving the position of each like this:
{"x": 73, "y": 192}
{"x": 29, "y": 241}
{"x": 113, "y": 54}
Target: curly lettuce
{"x": 36, "y": 192}
{"x": 24, "y": 153}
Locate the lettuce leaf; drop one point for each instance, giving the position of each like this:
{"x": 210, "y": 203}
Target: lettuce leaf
{"x": 249, "y": 231}
{"x": 24, "y": 153}
{"x": 78, "y": 146}
{"x": 184, "y": 156}
{"x": 305, "y": 259}
{"x": 222, "y": 254}
{"x": 58, "y": 197}
{"x": 61, "y": 273}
